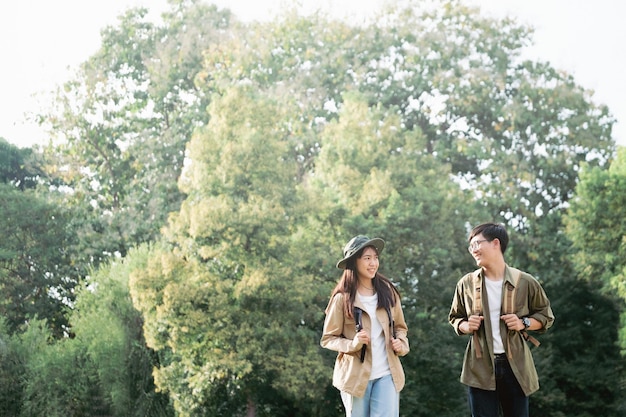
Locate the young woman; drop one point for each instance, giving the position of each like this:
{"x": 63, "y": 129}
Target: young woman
{"x": 365, "y": 325}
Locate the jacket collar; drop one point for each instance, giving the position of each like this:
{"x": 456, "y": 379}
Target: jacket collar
{"x": 508, "y": 277}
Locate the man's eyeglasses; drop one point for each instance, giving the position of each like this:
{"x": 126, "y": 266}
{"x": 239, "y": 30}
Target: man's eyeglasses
{"x": 476, "y": 244}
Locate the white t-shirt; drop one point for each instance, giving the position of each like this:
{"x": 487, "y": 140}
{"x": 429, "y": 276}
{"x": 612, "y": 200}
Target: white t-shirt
{"x": 494, "y": 297}
{"x": 380, "y": 364}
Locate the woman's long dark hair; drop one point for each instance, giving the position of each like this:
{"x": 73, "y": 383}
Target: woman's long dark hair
{"x": 348, "y": 283}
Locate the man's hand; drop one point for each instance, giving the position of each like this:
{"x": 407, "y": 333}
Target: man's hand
{"x": 472, "y": 324}
{"x": 513, "y": 322}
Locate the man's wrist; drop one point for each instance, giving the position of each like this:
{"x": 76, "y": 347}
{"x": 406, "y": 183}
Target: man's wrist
{"x": 464, "y": 327}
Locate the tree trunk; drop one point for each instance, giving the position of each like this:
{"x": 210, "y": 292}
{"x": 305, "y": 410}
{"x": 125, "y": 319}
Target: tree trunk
{"x": 251, "y": 408}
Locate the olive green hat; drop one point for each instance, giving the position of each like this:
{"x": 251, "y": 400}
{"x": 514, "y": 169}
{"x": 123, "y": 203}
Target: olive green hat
{"x": 356, "y": 244}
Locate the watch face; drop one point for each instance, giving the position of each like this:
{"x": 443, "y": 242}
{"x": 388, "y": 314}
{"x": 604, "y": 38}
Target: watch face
{"x": 526, "y": 322}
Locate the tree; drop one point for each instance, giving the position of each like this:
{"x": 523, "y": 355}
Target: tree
{"x": 18, "y": 166}
{"x": 59, "y": 378}
{"x": 37, "y": 276}
{"x": 121, "y": 126}
{"x": 109, "y": 332}
{"x": 596, "y": 226}
{"x": 224, "y": 305}
{"x": 514, "y": 131}
{"x": 104, "y": 369}
{"x": 579, "y": 362}
{"x": 11, "y": 373}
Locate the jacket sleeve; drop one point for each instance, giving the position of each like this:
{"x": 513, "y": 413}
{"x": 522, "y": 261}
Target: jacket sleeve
{"x": 458, "y": 309}
{"x": 539, "y": 306}
{"x": 333, "y": 336}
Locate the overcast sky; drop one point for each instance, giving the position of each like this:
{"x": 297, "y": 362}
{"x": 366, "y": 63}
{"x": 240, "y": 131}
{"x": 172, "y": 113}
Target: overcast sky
{"x": 41, "y": 39}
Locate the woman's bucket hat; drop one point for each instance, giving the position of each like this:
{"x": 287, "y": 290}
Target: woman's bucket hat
{"x": 355, "y": 245}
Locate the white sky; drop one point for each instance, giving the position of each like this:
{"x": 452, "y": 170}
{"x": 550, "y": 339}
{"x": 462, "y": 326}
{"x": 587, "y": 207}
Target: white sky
{"x": 40, "y": 40}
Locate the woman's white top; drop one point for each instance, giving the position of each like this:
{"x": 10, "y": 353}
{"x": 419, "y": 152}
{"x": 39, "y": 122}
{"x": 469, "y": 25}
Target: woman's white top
{"x": 380, "y": 364}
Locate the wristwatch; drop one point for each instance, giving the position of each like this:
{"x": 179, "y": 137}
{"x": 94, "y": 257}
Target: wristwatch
{"x": 526, "y": 322}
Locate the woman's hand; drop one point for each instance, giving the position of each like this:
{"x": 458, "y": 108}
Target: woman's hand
{"x": 361, "y": 338}
{"x": 396, "y": 345}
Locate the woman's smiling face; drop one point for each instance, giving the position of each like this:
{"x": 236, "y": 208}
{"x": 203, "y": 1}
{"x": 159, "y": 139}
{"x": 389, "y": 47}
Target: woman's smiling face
{"x": 367, "y": 264}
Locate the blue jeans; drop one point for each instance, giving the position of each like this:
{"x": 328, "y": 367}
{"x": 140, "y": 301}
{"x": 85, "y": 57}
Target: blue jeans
{"x": 508, "y": 395}
{"x": 380, "y": 400}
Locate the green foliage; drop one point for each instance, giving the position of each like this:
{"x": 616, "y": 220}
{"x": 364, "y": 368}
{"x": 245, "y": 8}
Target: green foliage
{"x": 579, "y": 362}
{"x": 58, "y": 377}
{"x": 123, "y": 123}
{"x": 18, "y": 166}
{"x": 36, "y": 272}
{"x": 109, "y": 330}
{"x": 449, "y": 74}
{"x": 11, "y": 373}
{"x": 597, "y": 227}
{"x": 204, "y": 301}
{"x": 104, "y": 369}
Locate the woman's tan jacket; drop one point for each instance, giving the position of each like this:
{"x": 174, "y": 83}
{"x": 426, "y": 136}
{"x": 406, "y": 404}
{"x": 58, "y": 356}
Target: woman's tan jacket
{"x": 350, "y": 375}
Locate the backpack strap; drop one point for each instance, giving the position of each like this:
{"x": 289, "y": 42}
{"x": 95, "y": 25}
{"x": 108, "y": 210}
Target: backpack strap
{"x": 477, "y": 308}
{"x": 509, "y": 296}
{"x": 392, "y": 325}
{"x": 509, "y": 306}
{"x": 358, "y": 315}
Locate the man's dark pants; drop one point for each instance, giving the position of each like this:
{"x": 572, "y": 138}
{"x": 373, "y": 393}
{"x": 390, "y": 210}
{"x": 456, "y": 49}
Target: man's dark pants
{"x": 508, "y": 395}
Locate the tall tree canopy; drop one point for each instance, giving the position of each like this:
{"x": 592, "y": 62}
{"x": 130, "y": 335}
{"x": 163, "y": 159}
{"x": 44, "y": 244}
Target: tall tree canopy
{"x": 122, "y": 124}
{"x": 231, "y": 314}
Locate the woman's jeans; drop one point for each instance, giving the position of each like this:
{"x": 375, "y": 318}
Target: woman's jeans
{"x": 380, "y": 400}
{"x": 508, "y": 395}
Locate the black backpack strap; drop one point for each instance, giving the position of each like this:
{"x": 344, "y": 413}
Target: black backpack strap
{"x": 358, "y": 318}
{"x": 391, "y": 323}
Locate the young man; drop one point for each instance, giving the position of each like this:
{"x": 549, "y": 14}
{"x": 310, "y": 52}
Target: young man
{"x": 496, "y": 305}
